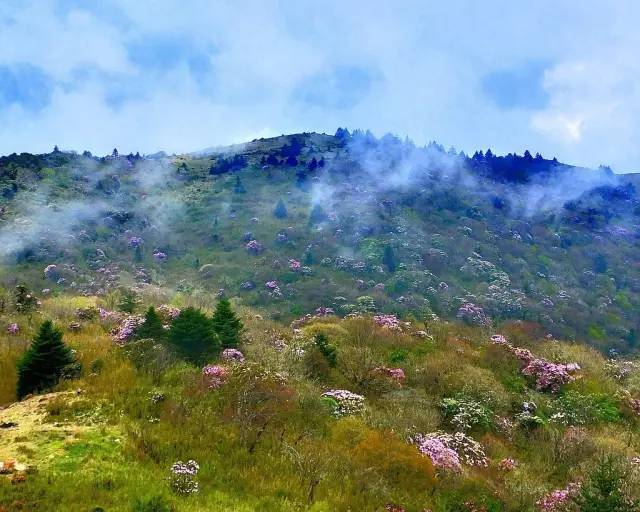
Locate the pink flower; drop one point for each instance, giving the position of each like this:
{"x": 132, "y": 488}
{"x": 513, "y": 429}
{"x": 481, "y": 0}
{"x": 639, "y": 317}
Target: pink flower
{"x": 159, "y": 256}
{"x": 13, "y": 328}
{"x": 294, "y": 265}
{"x": 253, "y": 247}
{"x": 215, "y": 375}
{"x": 395, "y": 374}
{"x": 388, "y": 321}
{"x": 556, "y": 500}
{"x": 273, "y": 287}
{"x": 507, "y": 464}
{"x": 441, "y": 457}
{"x": 135, "y": 241}
{"x": 322, "y": 311}
{"x": 232, "y": 355}
{"x": 499, "y": 339}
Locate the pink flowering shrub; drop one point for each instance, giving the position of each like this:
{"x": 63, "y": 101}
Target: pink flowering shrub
{"x": 344, "y": 402}
{"x": 167, "y": 313}
{"x": 390, "y": 322}
{"x": 13, "y": 328}
{"x": 253, "y": 247}
{"x": 396, "y": 375}
{"x": 294, "y": 265}
{"x": 442, "y": 457}
{"x": 51, "y": 272}
{"x": 127, "y": 328}
{"x": 323, "y": 311}
{"x": 159, "y": 256}
{"x": 473, "y": 314}
{"x": 548, "y": 376}
{"x": 215, "y": 375}
{"x": 182, "y": 477}
{"x": 507, "y": 464}
{"x": 557, "y": 500}
{"x": 273, "y": 288}
{"x": 135, "y": 241}
{"x": 232, "y": 355}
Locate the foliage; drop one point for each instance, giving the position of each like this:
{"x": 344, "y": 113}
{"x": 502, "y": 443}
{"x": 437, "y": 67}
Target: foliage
{"x": 192, "y": 336}
{"x": 226, "y": 324}
{"x": 152, "y": 327}
{"x": 44, "y": 363}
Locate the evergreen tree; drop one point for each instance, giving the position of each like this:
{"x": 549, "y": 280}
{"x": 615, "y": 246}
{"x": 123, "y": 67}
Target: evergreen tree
{"x": 192, "y": 336}
{"x": 128, "y": 301}
{"x": 280, "y": 210}
{"x": 42, "y": 365}
{"x": 152, "y": 326}
{"x": 603, "y": 491}
{"x": 226, "y": 324}
{"x": 326, "y": 349}
{"x": 390, "y": 259}
{"x": 317, "y": 214}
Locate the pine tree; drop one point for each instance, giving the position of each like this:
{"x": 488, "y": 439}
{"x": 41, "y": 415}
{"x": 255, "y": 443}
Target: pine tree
{"x": 152, "y": 326}
{"x": 42, "y": 365}
{"x": 326, "y": 349}
{"x": 192, "y": 336}
{"x": 226, "y": 324}
{"x": 603, "y": 491}
{"x": 128, "y": 301}
{"x": 280, "y": 210}
{"x": 389, "y": 258}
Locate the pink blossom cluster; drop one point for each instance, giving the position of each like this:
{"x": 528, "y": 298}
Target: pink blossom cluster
{"x": 167, "y": 313}
{"x": 323, "y": 311}
{"x": 468, "y": 449}
{"x": 159, "y": 255}
{"x": 215, "y": 375}
{"x": 109, "y": 316}
{"x": 507, "y": 464}
{"x": 634, "y": 404}
{"x": 273, "y": 288}
{"x": 183, "y": 477}
{"x": 13, "y": 328}
{"x": 442, "y": 457}
{"x": 253, "y": 247}
{"x": 389, "y": 322}
{"x": 396, "y": 375}
{"x": 232, "y": 355}
{"x": 344, "y": 402}
{"x": 51, "y": 272}
{"x": 473, "y": 314}
{"x": 556, "y": 500}
{"x": 135, "y": 241}
{"x": 390, "y": 507}
{"x": 294, "y": 265}
{"x": 548, "y": 376}
{"x": 127, "y": 328}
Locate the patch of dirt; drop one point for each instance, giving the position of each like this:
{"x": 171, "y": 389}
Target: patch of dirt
{"x": 28, "y": 437}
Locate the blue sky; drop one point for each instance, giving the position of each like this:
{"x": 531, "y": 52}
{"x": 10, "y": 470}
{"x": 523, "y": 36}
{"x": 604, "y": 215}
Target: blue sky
{"x": 558, "y": 77}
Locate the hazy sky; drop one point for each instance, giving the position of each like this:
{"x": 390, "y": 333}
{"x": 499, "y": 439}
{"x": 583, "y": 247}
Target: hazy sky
{"x": 558, "y": 77}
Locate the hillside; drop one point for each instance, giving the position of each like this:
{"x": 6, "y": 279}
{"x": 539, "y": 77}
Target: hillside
{"x": 409, "y": 330}
{"x": 365, "y": 224}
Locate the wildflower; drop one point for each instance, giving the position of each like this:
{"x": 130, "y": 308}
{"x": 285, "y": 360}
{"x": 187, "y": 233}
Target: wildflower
{"x": 167, "y": 313}
{"x": 135, "y": 241}
{"x": 13, "y": 328}
{"x": 473, "y": 314}
{"x": 159, "y": 256}
{"x": 344, "y": 402}
{"x": 183, "y": 477}
{"x": 232, "y": 355}
{"x": 294, "y": 265}
{"x": 499, "y": 339}
{"x": 126, "y": 329}
{"x": 51, "y": 272}
{"x": 322, "y": 311}
{"x": 253, "y": 247}
{"x": 507, "y": 464}
{"x": 215, "y": 375}
{"x": 396, "y": 375}
{"x": 442, "y": 457}
{"x": 273, "y": 288}
{"x": 390, "y": 322}
{"x": 556, "y": 500}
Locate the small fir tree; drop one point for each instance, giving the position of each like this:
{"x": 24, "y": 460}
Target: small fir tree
{"x": 280, "y": 210}
{"x": 152, "y": 326}
{"x": 390, "y": 259}
{"x": 128, "y": 301}
{"x": 226, "y": 324}
{"x": 326, "y": 349}
{"x": 604, "y": 489}
{"x": 192, "y": 336}
{"x": 42, "y": 365}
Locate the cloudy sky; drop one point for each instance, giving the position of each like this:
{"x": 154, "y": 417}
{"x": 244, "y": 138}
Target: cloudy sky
{"x": 559, "y": 77}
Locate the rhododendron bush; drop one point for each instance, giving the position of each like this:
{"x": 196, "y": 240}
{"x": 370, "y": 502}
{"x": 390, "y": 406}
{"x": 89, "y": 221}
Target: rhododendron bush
{"x": 449, "y": 451}
{"x": 215, "y": 375}
{"x": 344, "y": 402}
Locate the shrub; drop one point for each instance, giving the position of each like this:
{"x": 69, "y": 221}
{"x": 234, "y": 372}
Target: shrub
{"x": 604, "y": 490}
{"x": 152, "y": 327}
{"x": 44, "y": 363}
{"x": 192, "y": 336}
{"x": 226, "y": 324}
{"x": 280, "y": 211}
{"x": 327, "y": 350}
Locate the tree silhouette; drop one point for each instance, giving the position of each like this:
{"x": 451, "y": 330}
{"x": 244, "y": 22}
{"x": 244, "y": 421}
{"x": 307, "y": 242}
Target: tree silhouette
{"x": 42, "y": 365}
{"x": 192, "y": 336}
{"x": 152, "y": 327}
{"x": 226, "y": 324}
